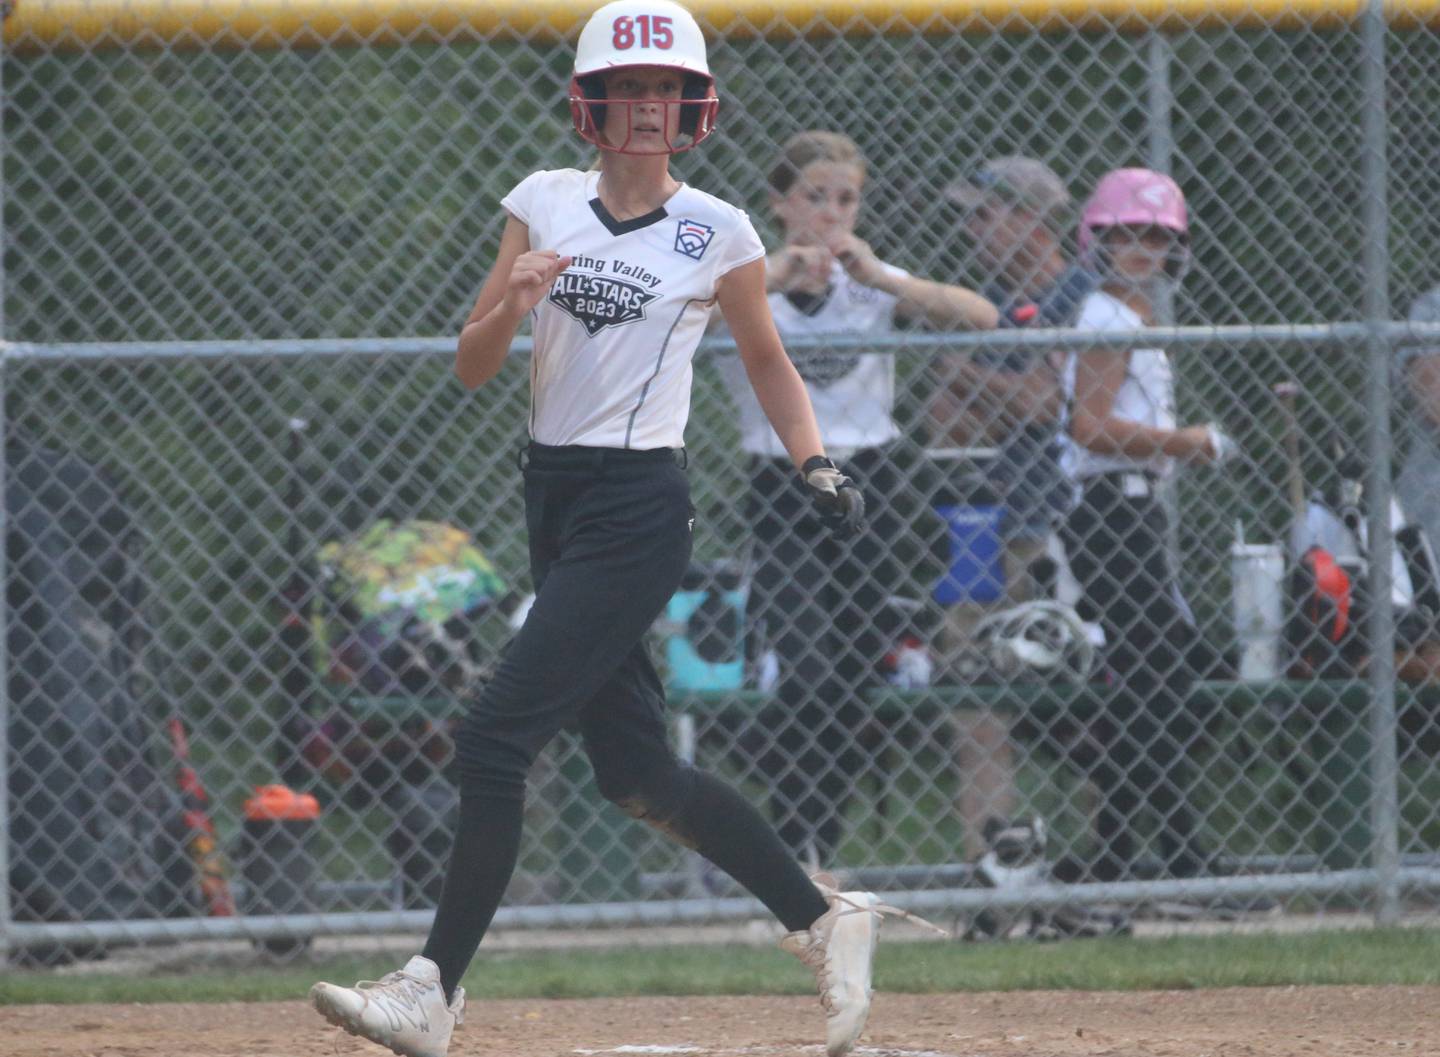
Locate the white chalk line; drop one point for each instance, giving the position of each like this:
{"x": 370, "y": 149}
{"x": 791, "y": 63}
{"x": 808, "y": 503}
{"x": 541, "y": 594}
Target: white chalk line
{"x": 758, "y": 1051}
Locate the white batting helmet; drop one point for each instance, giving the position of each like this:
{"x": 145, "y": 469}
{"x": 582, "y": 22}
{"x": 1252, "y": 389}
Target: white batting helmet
{"x": 642, "y": 33}
{"x": 1041, "y": 639}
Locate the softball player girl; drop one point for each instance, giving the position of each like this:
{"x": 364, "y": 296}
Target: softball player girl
{"x": 619, "y": 269}
{"x": 819, "y": 604}
{"x": 1124, "y": 441}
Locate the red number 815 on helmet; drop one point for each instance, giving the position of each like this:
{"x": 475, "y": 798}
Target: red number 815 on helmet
{"x": 630, "y": 33}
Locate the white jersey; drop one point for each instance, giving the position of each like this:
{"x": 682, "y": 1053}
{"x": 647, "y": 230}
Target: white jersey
{"x": 1147, "y": 395}
{"x": 615, "y": 336}
{"x": 852, "y": 392}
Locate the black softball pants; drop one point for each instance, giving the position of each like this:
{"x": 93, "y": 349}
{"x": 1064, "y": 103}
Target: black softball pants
{"x": 817, "y": 602}
{"x": 1138, "y": 752}
{"x": 609, "y": 534}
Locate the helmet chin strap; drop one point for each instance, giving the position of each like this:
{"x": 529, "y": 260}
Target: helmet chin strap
{"x": 1152, "y": 286}
{"x": 1156, "y": 287}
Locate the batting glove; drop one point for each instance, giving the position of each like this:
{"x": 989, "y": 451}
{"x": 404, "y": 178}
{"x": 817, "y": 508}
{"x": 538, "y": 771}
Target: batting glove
{"x": 1223, "y": 446}
{"x": 838, "y": 502}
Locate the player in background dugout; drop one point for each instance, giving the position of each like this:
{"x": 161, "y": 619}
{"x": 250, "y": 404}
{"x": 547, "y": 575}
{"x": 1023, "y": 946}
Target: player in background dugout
{"x": 1007, "y": 404}
{"x": 817, "y": 604}
{"x": 1124, "y": 440}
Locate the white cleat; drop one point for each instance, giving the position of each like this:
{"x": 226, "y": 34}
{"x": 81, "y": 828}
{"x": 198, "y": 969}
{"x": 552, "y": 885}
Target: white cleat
{"x": 840, "y": 947}
{"x": 405, "y": 1010}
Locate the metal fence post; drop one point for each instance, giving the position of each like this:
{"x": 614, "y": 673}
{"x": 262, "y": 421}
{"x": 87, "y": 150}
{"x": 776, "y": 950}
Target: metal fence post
{"x": 1159, "y": 155}
{"x": 1385, "y": 813}
{"x": 1159, "y": 132}
{"x": 5, "y": 910}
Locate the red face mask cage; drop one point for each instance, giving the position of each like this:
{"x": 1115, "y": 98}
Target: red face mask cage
{"x": 698, "y": 108}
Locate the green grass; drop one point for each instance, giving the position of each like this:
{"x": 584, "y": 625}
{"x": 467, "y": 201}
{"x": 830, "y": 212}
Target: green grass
{"x": 1393, "y": 956}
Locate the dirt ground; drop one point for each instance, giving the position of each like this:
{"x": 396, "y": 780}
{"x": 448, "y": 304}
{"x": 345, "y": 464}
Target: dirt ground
{"x": 1254, "y": 1022}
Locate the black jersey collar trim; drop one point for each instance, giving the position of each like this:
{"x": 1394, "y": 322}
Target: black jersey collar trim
{"x": 624, "y": 227}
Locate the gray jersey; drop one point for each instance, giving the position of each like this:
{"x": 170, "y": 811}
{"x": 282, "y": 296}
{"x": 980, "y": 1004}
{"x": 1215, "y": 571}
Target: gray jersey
{"x": 1418, "y": 485}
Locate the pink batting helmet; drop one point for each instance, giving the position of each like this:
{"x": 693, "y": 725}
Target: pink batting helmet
{"x": 1133, "y": 198}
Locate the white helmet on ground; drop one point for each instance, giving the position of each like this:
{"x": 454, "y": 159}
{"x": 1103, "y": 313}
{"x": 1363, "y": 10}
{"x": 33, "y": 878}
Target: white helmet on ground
{"x": 1038, "y": 640}
{"x": 642, "y": 33}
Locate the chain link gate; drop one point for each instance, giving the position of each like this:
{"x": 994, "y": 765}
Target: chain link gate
{"x": 240, "y": 495}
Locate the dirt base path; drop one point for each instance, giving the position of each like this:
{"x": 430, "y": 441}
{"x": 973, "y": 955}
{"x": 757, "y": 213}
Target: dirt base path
{"x": 1253, "y": 1022}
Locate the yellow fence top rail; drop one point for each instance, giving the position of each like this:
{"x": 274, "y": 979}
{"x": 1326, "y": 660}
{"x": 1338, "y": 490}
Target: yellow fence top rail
{"x": 77, "y": 24}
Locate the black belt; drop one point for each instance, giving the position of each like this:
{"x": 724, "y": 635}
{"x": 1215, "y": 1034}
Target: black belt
{"x": 1133, "y": 483}
{"x": 580, "y": 457}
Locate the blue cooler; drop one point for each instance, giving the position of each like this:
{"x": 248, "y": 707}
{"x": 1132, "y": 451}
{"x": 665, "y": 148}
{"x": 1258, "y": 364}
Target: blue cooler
{"x": 976, "y": 572}
{"x": 964, "y": 500}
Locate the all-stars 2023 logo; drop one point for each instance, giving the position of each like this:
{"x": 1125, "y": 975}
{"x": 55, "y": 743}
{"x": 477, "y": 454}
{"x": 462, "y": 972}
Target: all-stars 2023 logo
{"x": 598, "y": 301}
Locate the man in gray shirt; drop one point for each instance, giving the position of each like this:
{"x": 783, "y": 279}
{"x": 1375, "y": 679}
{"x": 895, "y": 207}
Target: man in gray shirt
{"x": 1017, "y": 212}
{"x": 1418, "y": 429}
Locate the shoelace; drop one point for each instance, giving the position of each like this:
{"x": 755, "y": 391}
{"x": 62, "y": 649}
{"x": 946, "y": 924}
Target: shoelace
{"x": 814, "y": 957}
{"x": 814, "y": 951}
{"x": 389, "y": 987}
{"x": 885, "y": 910}
{"x": 392, "y": 988}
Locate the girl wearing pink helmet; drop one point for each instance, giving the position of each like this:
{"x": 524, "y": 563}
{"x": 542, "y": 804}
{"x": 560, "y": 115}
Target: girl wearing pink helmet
{"x": 1123, "y": 441}
{"x": 618, "y": 270}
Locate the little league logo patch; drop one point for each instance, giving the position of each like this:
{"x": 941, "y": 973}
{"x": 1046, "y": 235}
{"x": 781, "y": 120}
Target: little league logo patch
{"x": 597, "y": 302}
{"x": 692, "y": 238}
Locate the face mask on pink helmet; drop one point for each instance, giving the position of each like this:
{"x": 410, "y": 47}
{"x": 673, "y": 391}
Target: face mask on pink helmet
{"x": 642, "y": 33}
{"x": 1135, "y": 198}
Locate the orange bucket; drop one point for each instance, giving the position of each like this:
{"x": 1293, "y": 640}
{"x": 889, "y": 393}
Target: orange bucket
{"x": 281, "y": 803}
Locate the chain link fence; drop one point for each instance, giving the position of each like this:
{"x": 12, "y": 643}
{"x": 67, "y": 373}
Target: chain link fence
{"x": 258, "y": 535}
